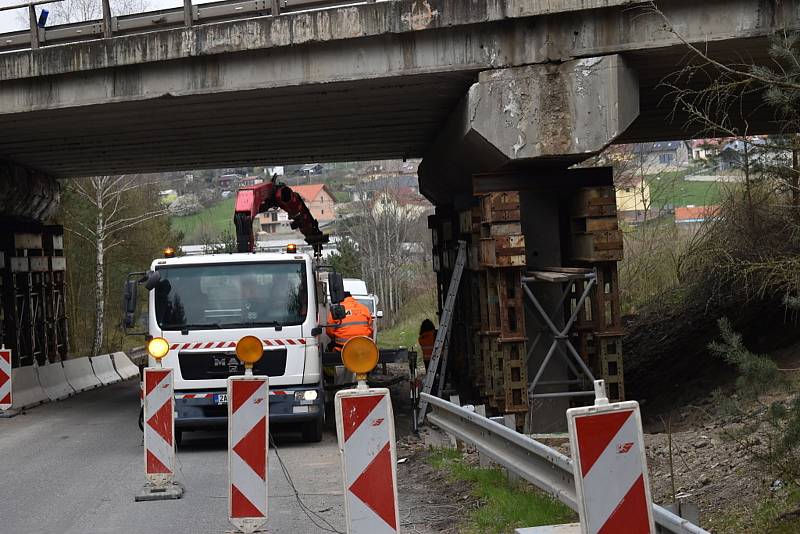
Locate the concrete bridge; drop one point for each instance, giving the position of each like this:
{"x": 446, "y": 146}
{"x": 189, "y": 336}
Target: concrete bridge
{"x": 471, "y": 86}
{"x": 521, "y": 89}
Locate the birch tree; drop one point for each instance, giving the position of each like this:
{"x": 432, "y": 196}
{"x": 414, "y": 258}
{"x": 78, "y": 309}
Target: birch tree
{"x": 388, "y": 230}
{"x": 110, "y": 219}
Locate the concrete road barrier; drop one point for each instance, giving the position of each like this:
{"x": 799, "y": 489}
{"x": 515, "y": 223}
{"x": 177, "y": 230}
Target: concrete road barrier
{"x": 125, "y": 367}
{"x": 104, "y": 369}
{"x": 54, "y": 381}
{"x": 80, "y": 374}
{"x": 27, "y": 391}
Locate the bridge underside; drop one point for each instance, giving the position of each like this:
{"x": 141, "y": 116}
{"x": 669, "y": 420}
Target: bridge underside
{"x": 348, "y": 121}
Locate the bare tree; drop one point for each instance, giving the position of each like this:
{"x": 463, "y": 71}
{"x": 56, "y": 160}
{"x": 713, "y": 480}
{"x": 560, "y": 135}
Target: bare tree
{"x": 105, "y": 228}
{"x": 69, "y": 11}
{"x": 388, "y": 230}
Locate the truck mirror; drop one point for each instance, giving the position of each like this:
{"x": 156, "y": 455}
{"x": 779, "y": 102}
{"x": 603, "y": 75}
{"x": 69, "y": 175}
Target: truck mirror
{"x": 151, "y": 280}
{"x": 316, "y": 331}
{"x": 129, "y": 304}
{"x": 338, "y": 312}
{"x": 379, "y": 315}
{"x": 336, "y": 287}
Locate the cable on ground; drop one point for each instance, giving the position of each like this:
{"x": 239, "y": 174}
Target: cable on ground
{"x": 311, "y": 514}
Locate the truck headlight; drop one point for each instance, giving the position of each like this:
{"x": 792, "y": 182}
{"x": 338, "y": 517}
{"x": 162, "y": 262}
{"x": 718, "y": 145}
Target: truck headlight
{"x": 310, "y": 395}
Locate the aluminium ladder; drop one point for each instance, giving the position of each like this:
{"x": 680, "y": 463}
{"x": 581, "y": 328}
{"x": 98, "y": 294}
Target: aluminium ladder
{"x": 443, "y": 335}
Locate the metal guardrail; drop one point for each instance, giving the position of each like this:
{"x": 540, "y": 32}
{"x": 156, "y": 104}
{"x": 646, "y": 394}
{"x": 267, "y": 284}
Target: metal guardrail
{"x": 186, "y": 16}
{"x": 545, "y": 468}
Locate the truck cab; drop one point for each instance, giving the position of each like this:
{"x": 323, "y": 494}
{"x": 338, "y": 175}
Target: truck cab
{"x": 202, "y": 305}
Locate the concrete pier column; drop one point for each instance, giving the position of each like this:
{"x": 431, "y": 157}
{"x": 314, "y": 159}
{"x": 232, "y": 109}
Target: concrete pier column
{"x": 548, "y": 114}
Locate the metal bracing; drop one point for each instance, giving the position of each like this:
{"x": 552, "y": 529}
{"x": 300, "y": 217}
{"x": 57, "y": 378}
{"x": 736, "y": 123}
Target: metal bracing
{"x": 560, "y": 336}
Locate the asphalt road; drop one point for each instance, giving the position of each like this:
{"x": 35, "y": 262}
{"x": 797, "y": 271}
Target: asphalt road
{"x": 75, "y": 466}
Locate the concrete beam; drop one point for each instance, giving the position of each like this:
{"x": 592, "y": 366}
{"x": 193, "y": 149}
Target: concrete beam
{"x": 550, "y": 115}
{"x": 26, "y": 193}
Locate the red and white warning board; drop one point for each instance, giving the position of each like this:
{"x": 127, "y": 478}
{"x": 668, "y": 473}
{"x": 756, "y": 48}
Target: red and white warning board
{"x": 159, "y": 442}
{"x": 365, "y": 426}
{"x": 5, "y": 379}
{"x": 248, "y": 438}
{"x": 610, "y": 469}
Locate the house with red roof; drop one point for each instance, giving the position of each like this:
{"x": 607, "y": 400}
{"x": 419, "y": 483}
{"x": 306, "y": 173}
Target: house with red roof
{"x": 321, "y": 203}
{"x": 695, "y": 215}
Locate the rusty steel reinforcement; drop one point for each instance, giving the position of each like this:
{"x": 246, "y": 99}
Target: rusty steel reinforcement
{"x": 545, "y": 468}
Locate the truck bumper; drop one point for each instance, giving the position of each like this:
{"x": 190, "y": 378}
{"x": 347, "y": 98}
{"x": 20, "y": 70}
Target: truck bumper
{"x": 199, "y": 409}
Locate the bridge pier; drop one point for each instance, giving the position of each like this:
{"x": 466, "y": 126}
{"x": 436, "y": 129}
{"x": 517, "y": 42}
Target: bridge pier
{"x": 32, "y": 267}
{"x": 509, "y": 144}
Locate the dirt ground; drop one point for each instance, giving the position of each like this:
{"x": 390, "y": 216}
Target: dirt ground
{"x": 429, "y": 502}
{"x": 712, "y": 468}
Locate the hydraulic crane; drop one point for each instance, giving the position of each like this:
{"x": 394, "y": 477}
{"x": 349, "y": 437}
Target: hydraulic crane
{"x": 252, "y": 200}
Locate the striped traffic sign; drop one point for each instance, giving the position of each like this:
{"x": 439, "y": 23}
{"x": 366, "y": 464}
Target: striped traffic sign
{"x": 159, "y": 443}
{"x": 610, "y": 469}
{"x": 5, "y": 379}
{"x": 248, "y": 438}
{"x": 365, "y": 428}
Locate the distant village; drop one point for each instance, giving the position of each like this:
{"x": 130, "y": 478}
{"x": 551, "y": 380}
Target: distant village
{"x": 643, "y": 172}
{"x": 331, "y": 194}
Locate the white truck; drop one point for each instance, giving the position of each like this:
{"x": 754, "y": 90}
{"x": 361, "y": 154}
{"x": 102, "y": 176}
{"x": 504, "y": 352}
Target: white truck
{"x": 202, "y": 305}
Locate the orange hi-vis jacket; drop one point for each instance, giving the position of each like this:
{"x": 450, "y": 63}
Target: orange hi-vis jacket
{"x": 357, "y": 322}
{"x": 426, "y": 341}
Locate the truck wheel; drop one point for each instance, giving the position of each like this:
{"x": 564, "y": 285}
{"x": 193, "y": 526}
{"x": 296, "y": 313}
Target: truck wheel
{"x": 312, "y": 432}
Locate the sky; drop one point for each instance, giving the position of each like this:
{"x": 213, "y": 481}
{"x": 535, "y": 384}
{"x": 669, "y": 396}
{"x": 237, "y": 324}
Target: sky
{"x": 13, "y": 20}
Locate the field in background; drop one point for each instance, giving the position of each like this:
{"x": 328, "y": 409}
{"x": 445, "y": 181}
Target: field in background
{"x": 210, "y": 222}
{"x": 670, "y": 189}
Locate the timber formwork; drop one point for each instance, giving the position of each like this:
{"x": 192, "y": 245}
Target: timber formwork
{"x": 491, "y": 343}
{"x": 33, "y": 293}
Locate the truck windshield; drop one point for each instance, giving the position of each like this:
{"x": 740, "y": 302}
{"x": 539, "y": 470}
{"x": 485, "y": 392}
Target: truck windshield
{"x": 231, "y": 296}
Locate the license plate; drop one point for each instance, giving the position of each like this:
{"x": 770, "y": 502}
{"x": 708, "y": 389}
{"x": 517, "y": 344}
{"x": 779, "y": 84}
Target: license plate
{"x": 221, "y": 398}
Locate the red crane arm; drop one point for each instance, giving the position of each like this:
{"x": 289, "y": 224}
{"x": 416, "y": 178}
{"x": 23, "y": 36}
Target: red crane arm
{"x": 252, "y": 200}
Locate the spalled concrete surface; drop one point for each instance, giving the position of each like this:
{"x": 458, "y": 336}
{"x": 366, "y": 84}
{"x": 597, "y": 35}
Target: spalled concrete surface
{"x": 74, "y": 467}
{"x": 539, "y": 114}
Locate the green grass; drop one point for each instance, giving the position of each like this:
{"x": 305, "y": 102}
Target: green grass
{"x": 212, "y": 221}
{"x": 405, "y": 331}
{"x": 672, "y": 189}
{"x": 504, "y": 506}
{"x": 777, "y": 514}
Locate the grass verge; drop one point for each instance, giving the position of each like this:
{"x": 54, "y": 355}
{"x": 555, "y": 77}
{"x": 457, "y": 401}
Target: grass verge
{"x": 405, "y": 331}
{"x": 778, "y": 514}
{"x": 505, "y": 506}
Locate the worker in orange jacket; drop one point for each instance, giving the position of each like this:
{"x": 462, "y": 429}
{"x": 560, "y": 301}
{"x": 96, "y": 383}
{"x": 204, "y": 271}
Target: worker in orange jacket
{"x": 357, "y": 322}
{"x": 426, "y": 339}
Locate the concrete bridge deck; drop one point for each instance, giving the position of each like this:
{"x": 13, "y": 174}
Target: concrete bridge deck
{"x": 374, "y": 80}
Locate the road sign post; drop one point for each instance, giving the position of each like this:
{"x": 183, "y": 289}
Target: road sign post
{"x": 159, "y": 436}
{"x": 6, "y": 384}
{"x": 365, "y": 428}
{"x": 248, "y": 438}
{"x": 610, "y": 467}
{"x": 248, "y": 441}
